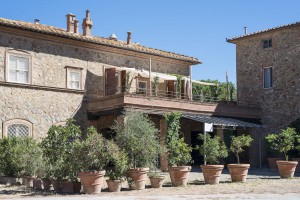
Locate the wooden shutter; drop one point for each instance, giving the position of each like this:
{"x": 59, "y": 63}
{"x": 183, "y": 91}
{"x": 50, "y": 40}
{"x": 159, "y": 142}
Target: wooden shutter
{"x": 110, "y": 81}
{"x": 123, "y": 81}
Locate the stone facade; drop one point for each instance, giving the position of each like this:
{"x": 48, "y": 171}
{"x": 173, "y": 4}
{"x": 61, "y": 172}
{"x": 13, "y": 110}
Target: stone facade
{"x": 46, "y": 100}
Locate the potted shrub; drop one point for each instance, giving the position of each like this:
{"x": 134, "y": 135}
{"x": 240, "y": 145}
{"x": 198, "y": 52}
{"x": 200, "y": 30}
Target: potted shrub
{"x": 91, "y": 156}
{"x": 178, "y": 152}
{"x": 239, "y": 171}
{"x": 138, "y": 137}
{"x": 284, "y": 142}
{"x": 42, "y": 180}
{"x": 156, "y": 178}
{"x": 213, "y": 149}
{"x": 118, "y": 173}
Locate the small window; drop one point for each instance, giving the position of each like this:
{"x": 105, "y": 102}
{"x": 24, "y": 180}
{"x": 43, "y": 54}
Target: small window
{"x": 18, "y": 69}
{"x": 74, "y": 78}
{"x": 17, "y": 128}
{"x": 142, "y": 87}
{"x": 268, "y": 81}
{"x": 267, "y": 43}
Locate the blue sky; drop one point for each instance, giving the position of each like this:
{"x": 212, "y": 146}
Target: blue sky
{"x": 192, "y": 27}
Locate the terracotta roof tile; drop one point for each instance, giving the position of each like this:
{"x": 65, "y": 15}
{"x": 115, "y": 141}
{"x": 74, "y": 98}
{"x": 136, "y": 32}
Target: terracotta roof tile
{"x": 264, "y": 31}
{"x": 51, "y": 30}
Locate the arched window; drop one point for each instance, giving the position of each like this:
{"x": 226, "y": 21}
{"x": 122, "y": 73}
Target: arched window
{"x": 17, "y": 128}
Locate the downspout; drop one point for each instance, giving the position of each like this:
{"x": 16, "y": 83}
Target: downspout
{"x": 191, "y": 86}
{"x": 150, "y": 84}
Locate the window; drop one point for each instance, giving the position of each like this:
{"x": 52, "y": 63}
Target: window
{"x": 17, "y": 128}
{"x": 18, "y": 68}
{"x": 268, "y": 81}
{"x": 142, "y": 87}
{"x": 74, "y": 78}
{"x": 267, "y": 43}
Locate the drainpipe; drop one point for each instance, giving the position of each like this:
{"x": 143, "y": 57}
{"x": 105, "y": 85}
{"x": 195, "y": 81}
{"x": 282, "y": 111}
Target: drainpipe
{"x": 150, "y": 84}
{"x": 191, "y": 86}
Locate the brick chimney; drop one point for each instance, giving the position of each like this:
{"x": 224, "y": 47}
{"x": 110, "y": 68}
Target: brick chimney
{"x": 76, "y": 26}
{"x": 70, "y": 22}
{"x": 87, "y": 24}
{"x": 128, "y": 37}
{"x": 36, "y": 21}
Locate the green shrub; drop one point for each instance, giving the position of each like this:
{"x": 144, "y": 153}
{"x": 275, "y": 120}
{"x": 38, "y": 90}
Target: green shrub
{"x": 213, "y": 149}
{"x": 283, "y": 142}
{"x": 237, "y": 144}
{"x": 120, "y": 162}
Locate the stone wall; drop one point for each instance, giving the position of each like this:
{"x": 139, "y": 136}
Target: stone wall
{"x": 280, "y": 104}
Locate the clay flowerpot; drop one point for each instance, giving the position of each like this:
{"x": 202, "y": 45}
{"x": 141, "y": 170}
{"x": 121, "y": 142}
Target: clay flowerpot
{"x": 298, "y": 166}
{"x": 46, "y": 183}
{"x": 139, "y": 177}
{"x": 238, "y": 172}
{"x": 157, "y": 181}
{"x": 77, "y": 187}
{"x": 56, "y": 185}
{"x": 286, "y": 168}
{"x": 67, "y": 187}
{"x": 37, "y": 184}
{"x": 272, "y": 163}
{"x": 172, "y": 175}
{"x": 181, "y": 175}
{"x": 27, "y": 181}
{"x": 114, "y": 185}
{"x": 92, "y": 181}
{"x": 212, "y": 173}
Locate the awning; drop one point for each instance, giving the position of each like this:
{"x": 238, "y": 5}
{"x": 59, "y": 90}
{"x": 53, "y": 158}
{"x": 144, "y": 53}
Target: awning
{"x": 220, "y": 121}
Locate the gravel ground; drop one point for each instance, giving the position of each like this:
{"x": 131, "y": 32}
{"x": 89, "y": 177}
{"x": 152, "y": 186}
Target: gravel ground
{"x": 261, "y": 184}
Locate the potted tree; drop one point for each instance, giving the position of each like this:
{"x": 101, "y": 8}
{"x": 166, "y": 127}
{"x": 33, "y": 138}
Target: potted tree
{"x": 178, "y": 152}
{"x": 239, "y": 171}
{"x": 118, "y": 173}
{"x": 284, "y": 142}
{"x": 91, "y": 156}
{"x": 213, "y": 149}
{"x": 138, "y": 137}
{"x": 156, "y": 178}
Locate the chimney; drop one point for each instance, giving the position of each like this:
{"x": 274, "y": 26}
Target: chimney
{"x": 76, "y": 26}
{"x": 128, "y": 37}
{"x": 245, "y": 29}
{"x": 36, "y": 21}
{"x": 87, "y": 24}
{"x": 70, "y": 22}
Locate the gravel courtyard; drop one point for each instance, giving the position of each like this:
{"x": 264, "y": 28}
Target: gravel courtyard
{"x": 261, "y": 184}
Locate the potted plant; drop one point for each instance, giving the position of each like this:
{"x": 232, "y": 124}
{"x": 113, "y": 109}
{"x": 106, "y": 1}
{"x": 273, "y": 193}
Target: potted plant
{"x": 118, "y": 173}
{"x": 156, "y": 178}
{"x": 284, "y": 142}
{"x": 213, "y": 149}
{"x": 178, "y": 152}
{"x": 239, "y": 171}
{"x": 91, "y": 156}
{"x": 138, "y": 137}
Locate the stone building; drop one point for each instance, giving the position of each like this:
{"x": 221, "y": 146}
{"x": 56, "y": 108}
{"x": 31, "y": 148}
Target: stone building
{"x": 268, "y": 71}
{"x": 49, "y": 74}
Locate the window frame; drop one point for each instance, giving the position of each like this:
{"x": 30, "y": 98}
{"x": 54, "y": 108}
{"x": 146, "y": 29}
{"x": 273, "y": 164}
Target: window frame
{"x": 69, "y": 70}
{"x": 8, "y": 123}
{"x": 138, "y": 87}
{"x": 268, "y": 42}
{"x": 271, "y": 77}
{"x": 20, "y": 54}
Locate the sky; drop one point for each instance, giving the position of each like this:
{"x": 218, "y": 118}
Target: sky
{"x": 195, "y": 28}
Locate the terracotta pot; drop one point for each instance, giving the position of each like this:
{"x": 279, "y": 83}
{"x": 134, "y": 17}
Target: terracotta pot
{"x": 272, "y": 163}
{"x": 27, "y": 181}
{"x": 181, "y": 175}
{"x": 298, "y": 166}
{"x": 37, "y": 184}
{"x": 139, "y": 177}
{"x": 67, "y": 187}
{"x": 172, "y": 175}
{"x": 46, "y": 183}
{"x": 92, "y": 181}
{"x": 212, "y": 173}
{"x": 238, "y": 172}
{"x": 77, "y": 187}
{"x": 55, "y": 185}
{"x": 286, "y": 168}
{"x": 157, "y": 181}
{"x": 114, "y": 185}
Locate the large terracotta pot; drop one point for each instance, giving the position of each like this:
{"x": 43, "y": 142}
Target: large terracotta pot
{"x": 238, "y": 172}
{"x": 157, "y": 181}
{"x": 212, "y": 173}
{"x": 286, "y": 168}
{"x": 171, "y": 172}
{"x": 181, "y": 175}
{"x": 67, "y": 187}
{"x": 139, "y": 177}
{"x": 37, "y": 184}
{"x": 55, "y": 184}
{"x": 27, "y": 181}
{"x": 272, "y": 163}
{"x": 92, "y": 181}
{"x": 114, "y": 185}
{"x": 46, "y": 183}
{"x": 298, "y": 166}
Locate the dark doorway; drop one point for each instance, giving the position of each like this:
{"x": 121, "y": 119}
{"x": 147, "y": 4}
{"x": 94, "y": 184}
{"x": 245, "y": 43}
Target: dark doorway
{"x": 197, "y": 158}
{"x": 108, "y": 133}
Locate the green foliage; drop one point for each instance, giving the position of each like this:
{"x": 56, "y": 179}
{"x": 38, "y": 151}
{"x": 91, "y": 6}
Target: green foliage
{"x": 138, "y": 137}
{"x": 237, "y": 144}
{"x": 93, "y": 153}
{"x": 155, "y": 85}
{"x": 213, "y": 93}
{"x": 213, "y": 148}
{"x": 179, "y": 78}
{"x": 57, "y": 150}
{"x": 179, "y": 153}
{"x": 283, "y": 142}
{"x": 120, "y": 162}
{"x": 296, "y": 152}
